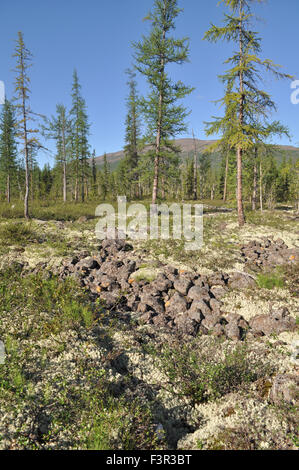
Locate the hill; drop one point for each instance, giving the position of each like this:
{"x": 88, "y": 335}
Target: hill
{"x": 187, "y": 147}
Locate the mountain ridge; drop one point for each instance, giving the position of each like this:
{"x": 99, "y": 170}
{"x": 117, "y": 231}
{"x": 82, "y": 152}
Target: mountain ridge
{"x": 187, "y": 146}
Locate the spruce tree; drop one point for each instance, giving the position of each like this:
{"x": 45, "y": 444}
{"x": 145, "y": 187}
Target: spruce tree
{"x": 8, "y": 146}
{"x": 245, "y": 102}
{"x": 153, "y": 54}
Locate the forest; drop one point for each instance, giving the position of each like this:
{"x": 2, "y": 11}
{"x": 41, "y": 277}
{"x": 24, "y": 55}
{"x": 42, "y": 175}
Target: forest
{"x": 250, "y": 170}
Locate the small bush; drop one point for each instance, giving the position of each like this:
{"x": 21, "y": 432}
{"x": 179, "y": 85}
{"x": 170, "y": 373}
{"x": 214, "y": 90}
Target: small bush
{"x": 61, "y": 304}
{"x": 270, "y": 280}
{"x": 16, "y": 233}
{"x": 203, "y": 376}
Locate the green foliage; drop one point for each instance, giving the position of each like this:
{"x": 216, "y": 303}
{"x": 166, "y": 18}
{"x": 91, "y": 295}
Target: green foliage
{"x": 202, "y": 376}
{"x": 59, "y": 128}
{"x": 66, "y": 306}
{"x": 13, "y": 233}
{"x": 8, "y": 148}
{"x": 247, "y": 107}
{"x": 57, "y": 312}
{"x": 164, "y": 117}
{"x": 271, "y": 280}
{"x": 133, "y": 423}
{"x": 79, "y": 139}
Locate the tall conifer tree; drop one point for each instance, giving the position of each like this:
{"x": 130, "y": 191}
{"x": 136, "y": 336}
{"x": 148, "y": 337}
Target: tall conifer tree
{"x": 24, "y": 61}
{"x": 247, "y": 105}
{"x": 8, "y": 146}
{"x": 80, "y": 143}
{"x": 153, "y": 54}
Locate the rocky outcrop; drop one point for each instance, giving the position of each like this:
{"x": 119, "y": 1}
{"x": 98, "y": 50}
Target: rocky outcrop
{"x": 184, "y": 301}
{"x": 268, "y": 253}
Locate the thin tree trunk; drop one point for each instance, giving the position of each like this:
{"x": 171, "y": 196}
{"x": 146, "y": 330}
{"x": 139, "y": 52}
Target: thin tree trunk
{"x": 241, "y": 217}
{"x": 64, "y": 166}
{"x": 195, "y": 169}
{"x": 26, "y": 198}
{"x": 213, "y": 192}
{"x": 31, "y": 179}
{"x": 64, "y": 182}
{"x": 158, "y": 136}
{"x": 157, "y": 157}
{"x": 254, "y": 193}
{"x": 225, "y": 178}
{"x": 19, "y": 187}
{"x": 261, "y": 187}
{"x": 8, "y": 189}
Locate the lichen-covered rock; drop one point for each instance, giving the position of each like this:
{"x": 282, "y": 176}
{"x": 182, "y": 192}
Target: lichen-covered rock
{"x": 269, "y": 324}
{"x": 182, "y": 285}
{"x": 177, "y": 304}
{"x": 285, "y": 388}
{"x": 241, "y": 281}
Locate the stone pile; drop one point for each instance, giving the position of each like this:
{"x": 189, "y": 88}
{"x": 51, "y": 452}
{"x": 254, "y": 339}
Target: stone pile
{"x": 184, "y": 301}
{"x": 268, "y": 253}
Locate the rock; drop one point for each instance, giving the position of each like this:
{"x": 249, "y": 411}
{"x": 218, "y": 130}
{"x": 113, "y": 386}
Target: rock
{"x": 285, "y": 388}
{"x": 268, "y": 254}
{"x": 233, "y": 331}
{"x": 211, "y": 321}
{"x": 83, "y": 219}
{"x": 195, "y": 313}
{"x": 241, "y": 281}
{"x": 153, "y": 302}
{"x": 218, "y": 292}
{"x": 162, "y": 283}
{"x": 215, "y": 305}
{"x": 87, "y": 263}
{"x": 182, "y": 285}
{"x": 200, "y": 306}
{"x": 110, "y": 299}
{"x": 177, "y": 304}
{"x": 268, "y": 324}
{"x": 217, "y": 280}
{"x": 218, "y": 330}
{"x": 198, "y": 293}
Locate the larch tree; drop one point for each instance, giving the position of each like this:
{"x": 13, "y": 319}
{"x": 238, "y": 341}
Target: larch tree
{"x": 245, "y": 102}
{"x": 8, "y": 146}
{"x": 80, "y": 145}
{"x": 153, "y": 54}
{"x": 195, "y": 173}
{"x": 27, "y": 135}
{"x": 93, "y": 173}
{"x": 59, "y": 129}
{"x": 133, "y": 134}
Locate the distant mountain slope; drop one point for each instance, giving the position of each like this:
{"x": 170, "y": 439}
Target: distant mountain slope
{"x": 187, "y": 147}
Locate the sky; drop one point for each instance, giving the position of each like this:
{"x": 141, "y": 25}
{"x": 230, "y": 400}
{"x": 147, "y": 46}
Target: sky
{"x": 95, "y": 37}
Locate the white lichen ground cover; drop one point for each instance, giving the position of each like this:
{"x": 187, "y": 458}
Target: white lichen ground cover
{"x": 78, "y": 378}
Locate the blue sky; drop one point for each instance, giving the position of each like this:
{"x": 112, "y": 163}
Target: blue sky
{"x": 95, "y": 36}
